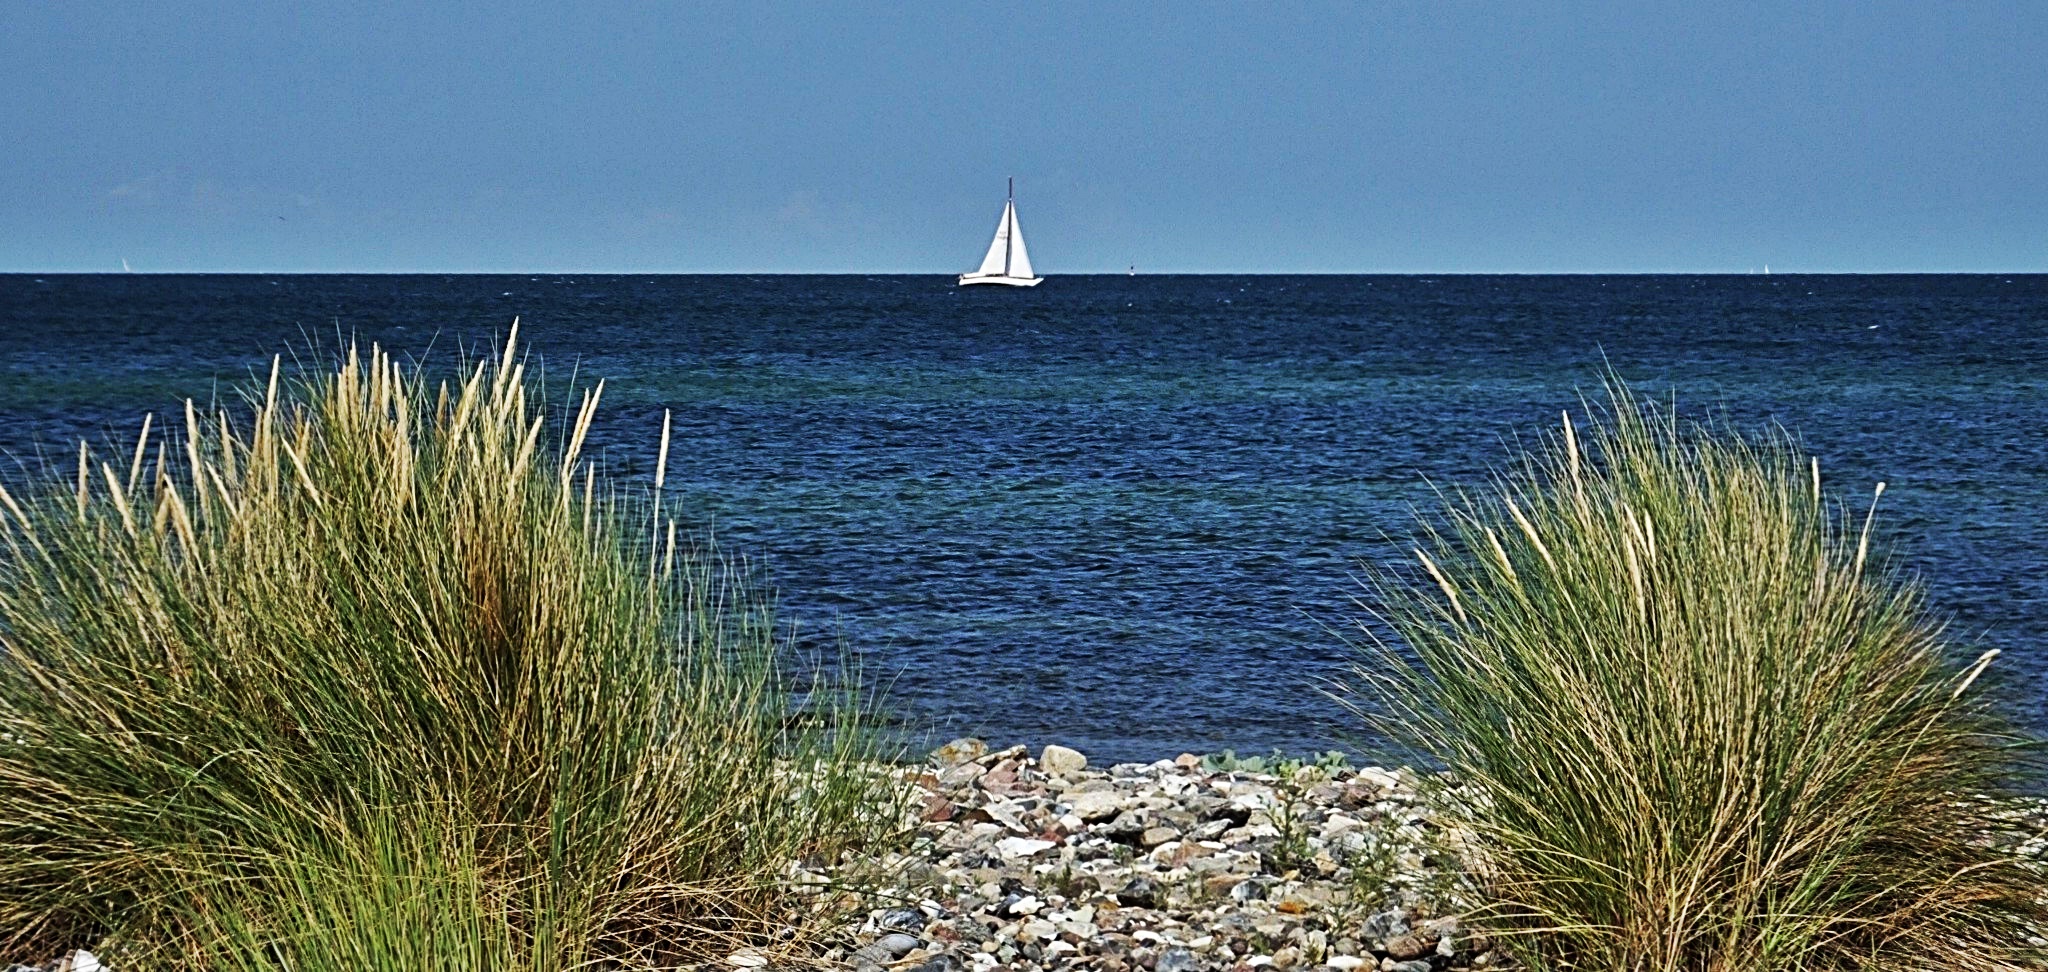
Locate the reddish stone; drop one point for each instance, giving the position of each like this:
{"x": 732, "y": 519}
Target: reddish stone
{"x": 1002, "y": 775}
{"x": 1413, "y": 945}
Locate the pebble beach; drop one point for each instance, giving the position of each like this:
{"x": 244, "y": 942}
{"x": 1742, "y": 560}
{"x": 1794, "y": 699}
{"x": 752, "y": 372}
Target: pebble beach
{"x": 1043, "y": 862}
{"x": 1047, "y": 862}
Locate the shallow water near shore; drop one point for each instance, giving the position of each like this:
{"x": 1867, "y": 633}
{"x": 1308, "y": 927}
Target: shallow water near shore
{"x": 1125, "y": 513}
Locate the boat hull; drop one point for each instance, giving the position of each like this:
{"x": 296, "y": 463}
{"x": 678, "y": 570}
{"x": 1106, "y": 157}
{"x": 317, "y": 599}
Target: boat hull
{"x": 975, "y": 278}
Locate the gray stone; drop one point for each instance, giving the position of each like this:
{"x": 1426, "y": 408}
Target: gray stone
{"x": 1141, "y": 892}
{"x": 902, "y": 919}
{"x": 1126, "y": 828}
{"x": 1094, "y": 805}
{"x": 942, "y": 962}
{"x": 882, "y": 951}
{"x": 1385, "y": 924}
{"x": 897, "y": 944}
{"x": 1175, "y": 960}
{"x": 1411, "y": 966}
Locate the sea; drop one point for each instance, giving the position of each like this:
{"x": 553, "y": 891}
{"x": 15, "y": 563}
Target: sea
{"x": 1130, "y": 514}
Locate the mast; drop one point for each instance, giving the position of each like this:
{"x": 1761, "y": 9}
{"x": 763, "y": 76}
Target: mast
{"x": 1010, "y": 230}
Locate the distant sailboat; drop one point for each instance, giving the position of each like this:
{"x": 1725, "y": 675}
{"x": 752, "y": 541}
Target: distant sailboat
{"x": 1006, "y": 263}
{"x": 124, "y": 266}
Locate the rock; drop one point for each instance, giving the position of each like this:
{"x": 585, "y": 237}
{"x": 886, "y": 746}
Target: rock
{"x": 897, "y": 944}
{"x": 943, "y": 962}
{"x": 1385, "y": 924}
{"x": 1175, "y": 959}
{"x": 1140, "y": 892}
{"x": 1344, "y": 963}
{"x": 1249, "y": 889}
{"x": 963, "y": 750}
{"x": 1019, "y": 847}
{"x": 961, "y": 775}
{"x": 1414, "y": 966}
{"x": 1061, "y": 761}
{"x": 1412, "y": 945}
{"x": 1008, "y": 815}
{"x": 1154, "y": 836}
{"x": 883, "y": 950}
{"x": 1217, "y": 887}
{"x": 1095, "y": 805}
{"x": 1126, "y": 828}
{"x": 999, "y": 778}
{"x": 747, "y": 958}
{"x": 902, "y": 919}
{"x": 990, "y": 759}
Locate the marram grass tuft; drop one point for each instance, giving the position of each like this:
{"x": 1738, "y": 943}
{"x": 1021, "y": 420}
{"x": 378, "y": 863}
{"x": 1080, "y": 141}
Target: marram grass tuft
{"x": 372, "y": 642}
{"x": 1704, "y": 730}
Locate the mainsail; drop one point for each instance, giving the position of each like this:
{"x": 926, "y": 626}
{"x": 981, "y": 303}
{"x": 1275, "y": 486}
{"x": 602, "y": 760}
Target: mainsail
{"x": 998, "y": 259}
{"x": 1006, "y": 263}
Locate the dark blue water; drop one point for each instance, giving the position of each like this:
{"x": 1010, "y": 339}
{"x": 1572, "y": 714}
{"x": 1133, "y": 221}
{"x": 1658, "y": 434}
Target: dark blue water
{"x": 1124, "y": 512}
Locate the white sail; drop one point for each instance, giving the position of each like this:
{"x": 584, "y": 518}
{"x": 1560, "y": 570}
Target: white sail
{"x": 999, "y": 251}
{"x": 1020, "y": 261}
{"x": 1006, "y": 262}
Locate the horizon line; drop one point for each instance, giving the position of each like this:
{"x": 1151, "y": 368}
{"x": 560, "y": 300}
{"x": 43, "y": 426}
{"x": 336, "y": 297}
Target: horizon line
{"x": 1094, "y": 273}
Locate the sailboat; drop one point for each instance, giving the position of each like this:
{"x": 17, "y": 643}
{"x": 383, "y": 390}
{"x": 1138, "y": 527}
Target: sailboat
{"x": 1006, "y": 263}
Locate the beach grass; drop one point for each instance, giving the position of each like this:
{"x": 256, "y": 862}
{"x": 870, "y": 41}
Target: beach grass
{"x": 1701, "y": 724}
{"x": 370, "y": 664}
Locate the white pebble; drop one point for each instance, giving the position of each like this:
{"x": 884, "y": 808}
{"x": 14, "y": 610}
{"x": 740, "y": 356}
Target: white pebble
{"x": 1022, "y": 846}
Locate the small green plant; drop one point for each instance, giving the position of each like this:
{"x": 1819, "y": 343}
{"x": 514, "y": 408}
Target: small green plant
{"x": 1291, "y": 850}
{"x": 1228, "y": 761}
{"x": 1278, "y": 763}
{"x": 1702, "y": 728}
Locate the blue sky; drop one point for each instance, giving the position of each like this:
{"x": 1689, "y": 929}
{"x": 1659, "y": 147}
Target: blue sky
{"x": 1283, "y": 137}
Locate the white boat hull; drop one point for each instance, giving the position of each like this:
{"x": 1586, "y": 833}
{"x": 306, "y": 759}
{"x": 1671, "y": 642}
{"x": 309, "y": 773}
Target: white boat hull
{"x": 996, "y": 278}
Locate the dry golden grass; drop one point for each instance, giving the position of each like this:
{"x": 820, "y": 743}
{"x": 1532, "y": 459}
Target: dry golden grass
{"x": 1712, "y": 733}
{"x": 364, "y": 612}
